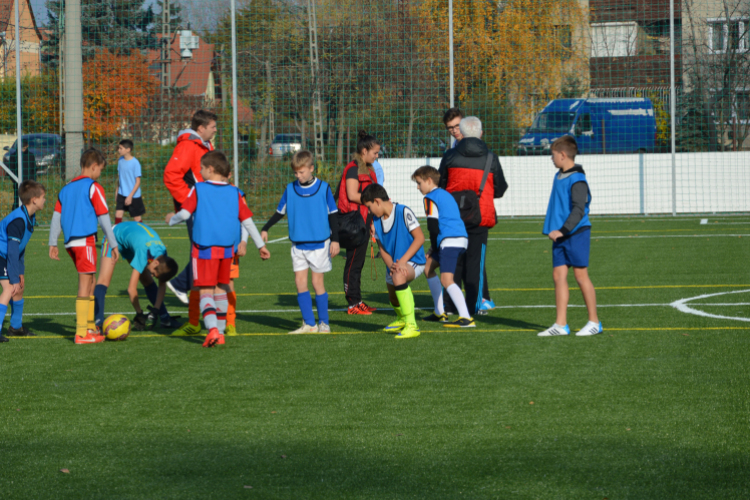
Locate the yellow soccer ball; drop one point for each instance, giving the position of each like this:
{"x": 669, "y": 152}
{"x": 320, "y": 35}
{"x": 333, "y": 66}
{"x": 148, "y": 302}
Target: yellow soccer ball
{"x": 116, "y": 327}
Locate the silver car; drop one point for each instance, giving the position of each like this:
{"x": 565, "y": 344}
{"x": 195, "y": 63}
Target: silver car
{"x": 285, "y": 145}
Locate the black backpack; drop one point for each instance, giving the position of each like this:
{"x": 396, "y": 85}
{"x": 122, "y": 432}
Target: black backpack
{"x": 468, "y": 201}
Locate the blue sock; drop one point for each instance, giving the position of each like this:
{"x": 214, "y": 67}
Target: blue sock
{"x": 3, "y": 310}
{"x": 305, "y": 305}
{"x": 16, "y": 313}
{"x": 100, "y": 292}
{"x": 151, "y": 292}
{"x": 321, "y": 301}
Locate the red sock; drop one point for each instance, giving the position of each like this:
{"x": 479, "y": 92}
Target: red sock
{"x": 232, "y": 309}
{"x": 194, "y": 308}
{"x": 118, "y": 220}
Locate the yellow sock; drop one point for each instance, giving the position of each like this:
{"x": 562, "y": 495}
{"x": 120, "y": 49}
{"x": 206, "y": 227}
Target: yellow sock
{"x": 91, "y": 323}
{"x": 82, "y": 314}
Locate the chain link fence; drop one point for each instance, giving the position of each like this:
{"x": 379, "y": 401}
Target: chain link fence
{"x": 311, "y": 74}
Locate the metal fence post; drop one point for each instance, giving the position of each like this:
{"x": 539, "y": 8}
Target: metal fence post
{"x": 672, "y": 106}
{"x": 235, "y": 132}
{"x": 73, "y": 88}
{"x": 19, "y": 125}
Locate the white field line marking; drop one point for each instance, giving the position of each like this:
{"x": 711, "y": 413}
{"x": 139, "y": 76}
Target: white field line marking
{"x": 681, "y": 305}
{"x": 278, "y": 240}
{"x": 631, "y": 237}
{"x": 704, "y": 221}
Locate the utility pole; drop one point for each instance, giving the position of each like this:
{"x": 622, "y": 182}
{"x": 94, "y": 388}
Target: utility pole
{"x": 73, "y": 88}
{"x": 312, "y": 25}
{"x": 19, "y": 125}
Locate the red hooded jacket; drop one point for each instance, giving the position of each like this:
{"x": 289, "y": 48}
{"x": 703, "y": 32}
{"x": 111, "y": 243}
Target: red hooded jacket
{"x": 184, "y": 167}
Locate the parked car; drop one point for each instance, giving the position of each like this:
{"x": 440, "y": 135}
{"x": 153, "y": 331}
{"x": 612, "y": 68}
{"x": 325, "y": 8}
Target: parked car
{"x": 611, "y": 125}
{"x": 285, "y": 145}
{"x": 48, "y": 150}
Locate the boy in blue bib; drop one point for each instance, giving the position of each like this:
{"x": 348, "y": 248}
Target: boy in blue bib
{"x": 15, "y": 231}
{"x": 567, "y": 225}
{"x": 449, "y": 240}
{"x": 400, "y": 240}
{"x": 313, "y": 229}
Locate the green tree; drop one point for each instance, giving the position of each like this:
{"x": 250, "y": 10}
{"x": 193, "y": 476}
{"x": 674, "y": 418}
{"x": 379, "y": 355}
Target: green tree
{"x": 119, "y": 26}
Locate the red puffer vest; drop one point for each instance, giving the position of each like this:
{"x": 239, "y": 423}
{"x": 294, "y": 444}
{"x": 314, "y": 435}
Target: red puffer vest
{"x": 344, "y": 205}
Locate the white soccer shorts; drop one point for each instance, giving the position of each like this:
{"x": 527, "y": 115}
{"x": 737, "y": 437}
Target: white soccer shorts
{"x": 319, "y": 261}
{"x": 418, "y": 271}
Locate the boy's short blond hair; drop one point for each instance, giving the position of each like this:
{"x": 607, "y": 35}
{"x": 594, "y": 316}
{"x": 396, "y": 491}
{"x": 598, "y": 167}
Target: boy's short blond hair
{"x": 566, "y": 144}
{"x": 302, "y": 158}
{"x": 426, "y": 172}
{"x": 218, "y": 161}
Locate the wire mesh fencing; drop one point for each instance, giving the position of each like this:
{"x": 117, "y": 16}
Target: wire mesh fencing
{"x": 312, "y": 74}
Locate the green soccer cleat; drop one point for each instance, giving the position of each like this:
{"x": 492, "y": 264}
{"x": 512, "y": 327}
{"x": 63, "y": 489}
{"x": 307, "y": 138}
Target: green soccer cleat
{"x": 230, "y": 331}
{"x": 186, "y": 330}
{"x": 396, "y": 326}
{"x": 410, "y": 330}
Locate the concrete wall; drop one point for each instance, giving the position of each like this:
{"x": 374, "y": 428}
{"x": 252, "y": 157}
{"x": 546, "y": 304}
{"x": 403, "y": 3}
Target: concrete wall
{"x": 620, "y": 184}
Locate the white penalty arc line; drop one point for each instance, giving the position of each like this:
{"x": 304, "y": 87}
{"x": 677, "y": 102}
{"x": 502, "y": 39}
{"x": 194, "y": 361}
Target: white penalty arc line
{"x": 633, "y": 237}
{"x": 681, "y": 305}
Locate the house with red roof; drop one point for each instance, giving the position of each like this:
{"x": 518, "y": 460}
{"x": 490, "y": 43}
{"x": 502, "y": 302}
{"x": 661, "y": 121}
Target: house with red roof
{"x": 30, "y": 39}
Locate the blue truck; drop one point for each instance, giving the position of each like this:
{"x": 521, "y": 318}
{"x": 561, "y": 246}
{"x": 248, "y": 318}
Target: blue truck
{"x": 600, "y": 126}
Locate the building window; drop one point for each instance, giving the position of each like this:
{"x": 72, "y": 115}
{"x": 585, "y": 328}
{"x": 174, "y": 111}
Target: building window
{"x": 614, "y": 39}
{"x": 729, "y": 35}
{"x": 743, "y": 105}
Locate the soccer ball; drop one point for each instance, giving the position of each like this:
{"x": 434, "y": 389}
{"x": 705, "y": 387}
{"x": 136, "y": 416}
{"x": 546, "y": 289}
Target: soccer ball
{"x": 116, "y": 327}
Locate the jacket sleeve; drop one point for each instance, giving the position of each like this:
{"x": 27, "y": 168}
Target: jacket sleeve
{"x": 500, "y": 184}
{"x": 174, "y": 173}
{"x": 443, "y": 170}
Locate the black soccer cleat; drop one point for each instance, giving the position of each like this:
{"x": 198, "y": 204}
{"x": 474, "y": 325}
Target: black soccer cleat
{"x": 20, "y": 332}
{"x": 3, "y": 339}
{"x": 434, "y": 318}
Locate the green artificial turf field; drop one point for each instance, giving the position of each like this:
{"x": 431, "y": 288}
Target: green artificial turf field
{"x": 655, "y": 407}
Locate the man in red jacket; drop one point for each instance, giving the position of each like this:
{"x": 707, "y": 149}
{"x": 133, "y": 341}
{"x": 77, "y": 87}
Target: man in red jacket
{"x": 462, "y": 168}
{"x": 181, "y": 174}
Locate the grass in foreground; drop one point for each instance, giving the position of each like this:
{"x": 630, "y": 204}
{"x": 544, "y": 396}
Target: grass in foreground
{"x": 656, "y": 407}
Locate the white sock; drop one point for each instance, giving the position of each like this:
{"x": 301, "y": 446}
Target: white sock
{"x": 208, "y": 308}
{"x": 458, "y": 300}
{"x": 222, "y": 304}
{"x": 436, "y": 290}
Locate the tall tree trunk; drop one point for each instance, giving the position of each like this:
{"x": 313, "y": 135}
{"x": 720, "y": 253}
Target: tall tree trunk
{"x": 301, "y": 126}
{"x": 270, "y": 104}
{"x": 412, "y": 119}
{"x": 263, "y": 148}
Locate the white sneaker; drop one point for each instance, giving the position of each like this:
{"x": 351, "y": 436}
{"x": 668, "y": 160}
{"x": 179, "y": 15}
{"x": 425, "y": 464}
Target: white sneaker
{"x": 324, "y": 328}
{"x": 554, "y": 331}
{"x": 590, "y": 329}
{"x": 305, "y": 328}
{"x": 180, "y": 295}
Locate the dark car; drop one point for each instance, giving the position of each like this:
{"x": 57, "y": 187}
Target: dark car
{"x": 48, "y": 150}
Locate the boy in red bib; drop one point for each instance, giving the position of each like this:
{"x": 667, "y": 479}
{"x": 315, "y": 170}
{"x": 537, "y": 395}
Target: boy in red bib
{"x": 218, "y": 209}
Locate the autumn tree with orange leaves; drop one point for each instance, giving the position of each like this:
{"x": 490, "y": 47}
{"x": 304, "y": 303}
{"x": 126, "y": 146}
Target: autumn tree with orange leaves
{"x": 116, "y": 88}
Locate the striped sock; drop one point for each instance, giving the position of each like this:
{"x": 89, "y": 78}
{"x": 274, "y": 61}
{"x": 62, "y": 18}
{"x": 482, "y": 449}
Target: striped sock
{"x": 208, "y": 308}
{"x": 221, "y": 301}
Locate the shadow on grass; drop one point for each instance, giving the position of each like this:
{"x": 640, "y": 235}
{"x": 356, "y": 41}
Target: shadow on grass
{"x": 494, "y": 320}
{"x": 46, "y": 326}
{"x": 399, "y": 467}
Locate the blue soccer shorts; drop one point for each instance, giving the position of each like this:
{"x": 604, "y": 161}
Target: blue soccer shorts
{"x": 448, "y": 258}
{"x": 572, "y": 251}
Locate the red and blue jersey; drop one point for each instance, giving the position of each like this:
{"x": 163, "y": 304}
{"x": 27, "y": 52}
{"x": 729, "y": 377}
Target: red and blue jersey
{"x": 218, "y": 209}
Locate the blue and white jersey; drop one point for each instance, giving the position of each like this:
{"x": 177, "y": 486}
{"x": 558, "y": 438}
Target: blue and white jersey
{"x": 308, "y": 208}
{"x": 16, "y": 226}
{"x": 439, "y": 204}
{"x": 394, "y": 233}
{"x": 560, "y": 203}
